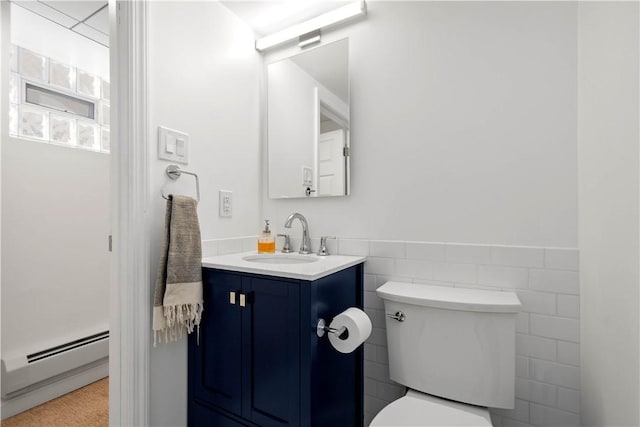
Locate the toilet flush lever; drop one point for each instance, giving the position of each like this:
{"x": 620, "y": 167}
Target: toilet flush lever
{"x": 399, "y": 316}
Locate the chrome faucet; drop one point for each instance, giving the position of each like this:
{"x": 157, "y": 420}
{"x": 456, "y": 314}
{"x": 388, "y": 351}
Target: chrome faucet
{"x": 305, "y": 247}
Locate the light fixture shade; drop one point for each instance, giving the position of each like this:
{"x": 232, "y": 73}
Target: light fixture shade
{"x": 325, "y": 20}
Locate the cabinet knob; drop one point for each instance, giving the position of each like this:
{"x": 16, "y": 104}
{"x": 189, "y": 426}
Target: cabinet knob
{"x": 232, "y": 297}
{"x": 243, "y": 300}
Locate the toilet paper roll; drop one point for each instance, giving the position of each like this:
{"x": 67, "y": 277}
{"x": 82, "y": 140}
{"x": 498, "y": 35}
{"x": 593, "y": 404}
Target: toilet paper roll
{"x": 358, "y": 329}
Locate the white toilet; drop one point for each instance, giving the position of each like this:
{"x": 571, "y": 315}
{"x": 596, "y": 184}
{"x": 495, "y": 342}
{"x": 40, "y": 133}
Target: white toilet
{"x": 454, "y": 349}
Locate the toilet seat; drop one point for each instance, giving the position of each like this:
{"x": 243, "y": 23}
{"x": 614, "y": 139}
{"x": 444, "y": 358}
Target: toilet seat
{"x": 419, "y": 409}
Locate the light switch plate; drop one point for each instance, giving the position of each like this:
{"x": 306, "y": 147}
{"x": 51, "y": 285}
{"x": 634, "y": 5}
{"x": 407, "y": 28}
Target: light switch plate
{"x": 173, "y": 145}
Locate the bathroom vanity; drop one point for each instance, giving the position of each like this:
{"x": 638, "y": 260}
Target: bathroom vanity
{"x": 259, "y": 360}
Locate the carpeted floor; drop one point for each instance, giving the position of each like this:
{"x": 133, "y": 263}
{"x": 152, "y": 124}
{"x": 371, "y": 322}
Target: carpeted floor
{"x": 85, "y": 407}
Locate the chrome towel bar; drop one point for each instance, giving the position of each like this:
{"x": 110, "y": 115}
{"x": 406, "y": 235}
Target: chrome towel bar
{"x": 174, "y": 172}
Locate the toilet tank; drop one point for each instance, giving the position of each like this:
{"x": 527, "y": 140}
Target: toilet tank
{"x": 452, "y": 342}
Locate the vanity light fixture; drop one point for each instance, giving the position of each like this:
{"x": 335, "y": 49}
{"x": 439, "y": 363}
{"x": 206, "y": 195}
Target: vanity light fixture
{"x": 325, "y": 20}
{"x": 309, "y": 38}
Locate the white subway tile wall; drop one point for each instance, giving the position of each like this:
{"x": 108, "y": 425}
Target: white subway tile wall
{"x": 547, "y": 329}
{"x": 43, "y": 124}
{"x": 215, "y": 247}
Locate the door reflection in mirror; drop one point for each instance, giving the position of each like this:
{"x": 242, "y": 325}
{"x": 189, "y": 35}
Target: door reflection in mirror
{"x": 308, "y": 123}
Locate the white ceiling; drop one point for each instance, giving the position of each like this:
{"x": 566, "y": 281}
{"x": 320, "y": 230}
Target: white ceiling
{"x": 89, "y": 18}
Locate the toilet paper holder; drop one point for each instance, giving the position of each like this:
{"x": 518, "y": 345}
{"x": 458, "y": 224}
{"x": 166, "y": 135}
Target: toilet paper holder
{"x": 322, "y": 328}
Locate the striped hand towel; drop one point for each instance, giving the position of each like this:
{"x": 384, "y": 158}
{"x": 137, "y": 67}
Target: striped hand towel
{"x": 178, "y": 294}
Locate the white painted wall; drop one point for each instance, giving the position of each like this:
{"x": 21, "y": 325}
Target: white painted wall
{"x": 55, "y": 217}
{"x": 609, "y": 47}
{"x": 203, "y": 80}
{"x": 55, "y": 223}
{"x": 463, "y": 126}
{"x": 57, "y": 42}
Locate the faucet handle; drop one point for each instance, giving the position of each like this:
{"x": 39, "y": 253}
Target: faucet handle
{"x": 286, "y": 246}
{"x": 323, "y": 250}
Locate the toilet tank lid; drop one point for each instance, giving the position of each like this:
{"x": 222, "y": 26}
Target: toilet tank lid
{"x": 450, "y": 298}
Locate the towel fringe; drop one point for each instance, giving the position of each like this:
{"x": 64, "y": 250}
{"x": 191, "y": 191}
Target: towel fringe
{"x": 179, "y": 318}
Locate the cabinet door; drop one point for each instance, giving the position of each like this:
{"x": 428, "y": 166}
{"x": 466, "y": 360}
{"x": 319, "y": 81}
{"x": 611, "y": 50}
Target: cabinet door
{"x": 202, "y": 416}
{"x": 271, "y": 332}
{"x": 216, "y": 370}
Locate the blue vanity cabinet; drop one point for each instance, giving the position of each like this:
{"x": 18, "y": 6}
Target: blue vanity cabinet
{"x": 220, "y": 345}
{"x": 259, "y": 361}
{"x": 270, "y": 342}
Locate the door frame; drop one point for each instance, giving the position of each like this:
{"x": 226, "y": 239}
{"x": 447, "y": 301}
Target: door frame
{"x": 130, "y": 293}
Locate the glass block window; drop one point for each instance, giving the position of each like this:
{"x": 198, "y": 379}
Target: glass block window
{"x": 54, "y": 102}
{"x": 88, "y": 84}
{"x": 14, "y": 83}
{"x": 13, "y": 58}
{"x": 62, "y": 75}
{"x": 33, "y": 66}
{"x": 13, "y": 120}
{"x": 106, "y": 140}
{"x": 105, "y": 113}
{"x": 34, "y": 123}
{"x": 88, "y": 136}
{"x": 63, "y": 130}
{"x": 106, "y": 88}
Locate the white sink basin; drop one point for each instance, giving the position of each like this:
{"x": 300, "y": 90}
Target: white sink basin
{"x": 280, "y": 259}
{"x": 294, "y": 266}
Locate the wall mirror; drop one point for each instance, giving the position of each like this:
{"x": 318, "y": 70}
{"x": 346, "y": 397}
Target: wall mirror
{"x": 308, "y": 123}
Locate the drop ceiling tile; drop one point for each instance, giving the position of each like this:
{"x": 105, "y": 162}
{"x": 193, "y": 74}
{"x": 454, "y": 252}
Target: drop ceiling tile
{"x": 79, "y": 10}
{"x": 100, "y": 21}
{"x": 47, "y": 12}
{"x": 92, "y": 33}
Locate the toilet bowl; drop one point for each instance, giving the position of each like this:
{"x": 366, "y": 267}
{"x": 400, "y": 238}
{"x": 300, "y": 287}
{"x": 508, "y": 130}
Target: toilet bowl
{"x": 420, "y": 409}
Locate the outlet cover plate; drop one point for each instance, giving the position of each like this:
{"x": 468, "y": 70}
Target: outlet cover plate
{"x": 225, "y": 203}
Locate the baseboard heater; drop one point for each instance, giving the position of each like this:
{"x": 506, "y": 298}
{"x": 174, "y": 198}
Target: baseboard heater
{"x": 23, "y": 373}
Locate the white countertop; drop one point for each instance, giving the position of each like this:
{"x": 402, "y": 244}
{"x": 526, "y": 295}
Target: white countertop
{"x": 324, "y": 265}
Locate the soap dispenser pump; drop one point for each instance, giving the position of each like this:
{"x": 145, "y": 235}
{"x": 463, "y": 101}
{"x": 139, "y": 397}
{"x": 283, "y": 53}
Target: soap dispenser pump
{"x": 266, "y": 242}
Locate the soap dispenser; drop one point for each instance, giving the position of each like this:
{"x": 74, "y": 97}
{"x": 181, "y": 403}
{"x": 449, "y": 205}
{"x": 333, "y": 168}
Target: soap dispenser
{"x": 266, "y": 242}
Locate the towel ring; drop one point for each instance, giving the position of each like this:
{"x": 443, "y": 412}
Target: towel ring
{"x": 174, "y": 172}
